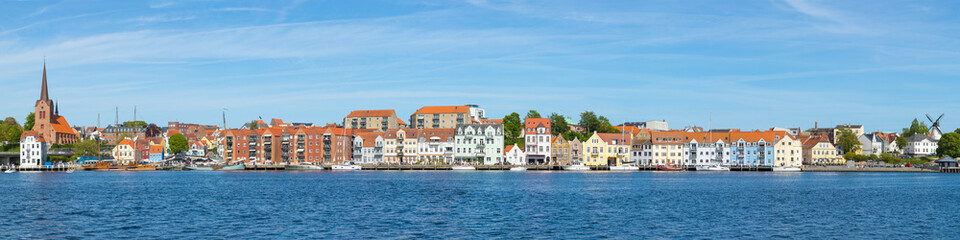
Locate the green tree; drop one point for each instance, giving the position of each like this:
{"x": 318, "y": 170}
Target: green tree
{"x": 86, "y": 148}
{"x": 949, "y": 145}
{"x": 916, "y": 127}
{"x": 957, "y": 131}
{"x": 28, "y": 124}
{"x": 558, "y": 124}
{"x": 10, "y": 130}
{"x": 901, "y": 142}
{"x": 178, "y": 144}
{"x": 605, "y": 126}
{"x": 570, "y": 135}
{"x": 253, "y": 125}
{"x": 135, "y": 124}
{"x": 533, "y": 114}
{"x": 848, "y": 141}
{"x": 512, "y": 126}
{"x": 589, "y": 122}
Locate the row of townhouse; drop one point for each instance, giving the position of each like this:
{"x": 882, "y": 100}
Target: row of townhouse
{"x": 465, "y": 144}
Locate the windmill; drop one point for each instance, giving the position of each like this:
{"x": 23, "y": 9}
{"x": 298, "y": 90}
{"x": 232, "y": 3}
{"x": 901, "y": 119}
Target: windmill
{"x": 935, "y": 132}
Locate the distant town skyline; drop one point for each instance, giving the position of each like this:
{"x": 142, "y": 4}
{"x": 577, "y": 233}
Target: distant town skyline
{"x": 752, "y": 65}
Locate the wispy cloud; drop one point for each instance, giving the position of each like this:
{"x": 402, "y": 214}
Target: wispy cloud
{"x": 161, "y": 4}
{"x": 163, "y": 18}
{"x": 840, "y": 22}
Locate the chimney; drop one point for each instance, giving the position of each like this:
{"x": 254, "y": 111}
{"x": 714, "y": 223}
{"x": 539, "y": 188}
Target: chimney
{"x": 815, "y": 125}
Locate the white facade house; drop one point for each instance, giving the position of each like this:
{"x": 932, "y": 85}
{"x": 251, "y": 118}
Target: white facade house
{"x": 33, "y": 149}
{"x": 537, "y": 142}
{"x": 787, "y": 151}
{"x": 436, "y": 146}
{"x": 515, "y": 155}
{"x": 368, "y": 148}
{"x": 478, "y": 144}
{"x": 197, "y": 149}
{"x": 920, "y": 145}
{"x": 124, "y": 151}
{"x": 871, "y": 144}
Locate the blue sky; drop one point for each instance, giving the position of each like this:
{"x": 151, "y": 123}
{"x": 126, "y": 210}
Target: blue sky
{"x": 752, "y": 64}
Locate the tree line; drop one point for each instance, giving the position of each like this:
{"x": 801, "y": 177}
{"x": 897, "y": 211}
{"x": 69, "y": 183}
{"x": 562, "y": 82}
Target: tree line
{"x": 589, "y": 121}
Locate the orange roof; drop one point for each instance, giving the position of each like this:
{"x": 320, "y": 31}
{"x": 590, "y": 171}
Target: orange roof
{"x": 126, "y": 142}
{"x": 372, "y": 113}
{"x": 491, "y": 121}
{"x": 60, "y": 125}
{"x": 509, "y": 147}
{"x": 33, "y": 134}
{"x": 442, "y": 109}
{"x": 609, "y": 137}
{"x": 531, "y": 123}
{"x": 171, "y": 132}
{"x": 156, "y": 149}
{"x": 401, "y": 122}
{"x": 812, "y": 141}
{"x": 370, "y": 138}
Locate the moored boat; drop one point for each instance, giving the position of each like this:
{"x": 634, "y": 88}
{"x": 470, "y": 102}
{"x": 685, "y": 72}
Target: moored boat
{"x": 349, "y": 166}
{"x": 233, "y": 167}
{"x": 712, "y": 168}
{"x": 669, "y": 168}
{"x": 303, "y": 167}
{"x": 624, "y": 168}
{"x": 463, "y": 168}
{"x": 11, "y": 170}
{"x": 787, "y": 169}
{"x": 518, "y": 168}
{"x": 576, "y": 167}
{"x": 200, "y": 168}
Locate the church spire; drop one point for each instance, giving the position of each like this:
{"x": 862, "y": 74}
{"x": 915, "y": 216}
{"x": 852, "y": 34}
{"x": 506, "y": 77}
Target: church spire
{"x": 43, "y": 89}
{"x": 56, "y": 108}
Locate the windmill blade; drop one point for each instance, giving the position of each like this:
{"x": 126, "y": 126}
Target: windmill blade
{"x": 938, "y": 118}
{"x": 929, "y": 118}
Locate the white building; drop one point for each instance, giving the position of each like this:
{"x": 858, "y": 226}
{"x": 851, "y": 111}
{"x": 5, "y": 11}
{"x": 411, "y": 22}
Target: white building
{"x": 478, "y": 144}
{"x": 515, "y": 155}
{"x": 124, "y": 151}
{"x": 920, "y": 145}
{"x": 436, "y": 146}
{"x": 871, "y": 144}
{"x": 787, "y": 150}
{"x": 33, "y": 149}
{"x": 368, "y": 148}
{"x": 537, "y": 142}
{"x": 197, "y": 149}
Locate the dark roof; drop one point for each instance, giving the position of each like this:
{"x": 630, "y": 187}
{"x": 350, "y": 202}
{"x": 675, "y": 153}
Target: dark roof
{"x": 946, "y": 160}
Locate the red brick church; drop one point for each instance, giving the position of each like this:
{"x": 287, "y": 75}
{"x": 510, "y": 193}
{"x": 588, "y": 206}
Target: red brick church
{"x": 47, "y": 120}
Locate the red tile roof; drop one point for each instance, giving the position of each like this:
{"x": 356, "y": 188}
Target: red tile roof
{"x": 372, "y": 113}
{"x": 60, "y": 125}
{"x": 443, "y": 109}
{"x": 35, "y": 134}
{"x": 530, "y": 125}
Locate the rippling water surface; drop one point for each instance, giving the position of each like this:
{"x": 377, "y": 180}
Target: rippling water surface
{"x": 444, "y": 204}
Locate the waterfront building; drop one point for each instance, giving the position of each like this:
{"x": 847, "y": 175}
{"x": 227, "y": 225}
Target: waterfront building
{"x": 401, "y": 146}
{"x": 787, "y": 150}
{"x": 337, "y": 142}
{"x": 607, "y": 149}
{"x": 33, "y": 149}
{"x": 478, "y": 144}
{"x": 576, "y": 151}
{"x": 368, "y": 148}
{"x": 560, "y": 151}
{"x": 920, "y": 145}
{"x": 890, "y": 143}
{"x": 536, "y": 133}
{"x": 436, "y": 146}
{"x": 380, "y": 120}
{"x": 446, "y": 116}
{"x": 47, "y": 120}
{"x": 856, "y": 129}
{"x": 124, "y": 152}
{"x": 663, "y": 148}
{"x": 819, "y": 150}
{"x": 197, "y": 149}
{"x": 706, "y": 149}
{"x": 156, "y": 153}
{"x": 514, "y": 155}
{"x": 751, "y": 149}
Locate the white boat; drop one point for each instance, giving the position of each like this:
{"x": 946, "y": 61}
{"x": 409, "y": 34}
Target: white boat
{"x": 463, "y": 168}
{"x": 624, "y": 168}
{"x": 303, "y": 167}
{"x": 11, "y": 170}
{"x": 518, "y": 169}
{"x": 70, "y": 170}
{"x": 576, "y": 167}
{"x": 786, "y": 169}
{"x": 712, "y": 168}
{"x": 350, "y": 166}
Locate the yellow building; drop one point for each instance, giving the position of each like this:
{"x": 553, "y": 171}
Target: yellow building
{"x": 561, "y": 151}
{"x": 606, "y": 149}
{"x": 819, "y": 150}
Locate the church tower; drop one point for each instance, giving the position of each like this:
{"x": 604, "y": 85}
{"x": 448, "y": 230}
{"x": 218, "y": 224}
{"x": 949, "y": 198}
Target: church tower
{"x": 43, "y": 111}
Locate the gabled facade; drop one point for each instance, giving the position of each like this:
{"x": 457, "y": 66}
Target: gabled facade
{"x": 706, "y": 149}
{"x": 560, "y": 151}
{"x": 478, "y": 144}
{"x": 537, "y": 140}
{"x": 47, "y": 120}
{"x": 368, "y": 148}
{"x": 401, "y": 146}
{"x": 436, "y": 146}
{"x": 819, "y": 150}
{"x": 514, "y": 155}
{"x": 607, "y": 149}
{"x": 124, "y": 152}
{"x": 787, "y": 150}
{"x": 33, "y": 149}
